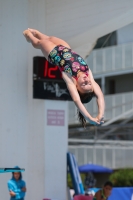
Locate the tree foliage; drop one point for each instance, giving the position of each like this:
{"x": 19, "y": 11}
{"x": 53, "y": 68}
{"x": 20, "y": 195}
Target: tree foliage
{"x": 122, "y": 178}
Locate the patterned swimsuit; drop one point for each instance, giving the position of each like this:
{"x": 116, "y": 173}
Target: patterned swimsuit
{"x": 68, "y": 61}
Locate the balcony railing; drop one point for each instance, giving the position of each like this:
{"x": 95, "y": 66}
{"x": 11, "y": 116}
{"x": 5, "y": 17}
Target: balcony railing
{"x": 112, "y": 154}
{"x": 111, "y": 59}
{"x": 115, "y": 105}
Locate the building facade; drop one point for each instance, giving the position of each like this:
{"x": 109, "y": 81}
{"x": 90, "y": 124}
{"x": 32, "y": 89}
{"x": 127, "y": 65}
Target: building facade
{"x": 112, "y": 67}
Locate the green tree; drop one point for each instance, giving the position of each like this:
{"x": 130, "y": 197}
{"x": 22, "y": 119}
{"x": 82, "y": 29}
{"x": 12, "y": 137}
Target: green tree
{"x": 122, "y": 178}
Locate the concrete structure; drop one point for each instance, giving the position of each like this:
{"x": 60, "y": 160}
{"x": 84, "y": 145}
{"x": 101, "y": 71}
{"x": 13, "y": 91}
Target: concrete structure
{"x": 23, "y": 140}
{"x": 112, "y": 154}
{"x": 85, "y": 21}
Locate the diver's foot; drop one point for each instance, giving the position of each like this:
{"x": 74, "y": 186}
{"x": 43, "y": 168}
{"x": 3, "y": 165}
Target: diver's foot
{"x": 32, "y": 39}
{"x": 26, "y": 34}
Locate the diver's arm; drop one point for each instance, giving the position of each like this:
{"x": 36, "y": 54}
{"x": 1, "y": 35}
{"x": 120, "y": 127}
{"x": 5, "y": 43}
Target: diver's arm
{"x": 99, "y": 96}
{"x": 100, "y": 100}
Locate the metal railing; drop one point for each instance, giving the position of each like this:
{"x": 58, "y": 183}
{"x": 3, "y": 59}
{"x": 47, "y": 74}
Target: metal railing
{"x": 112, "y": 154}
{"x": 115, "y": 105}
{"x": 111, "y": 59}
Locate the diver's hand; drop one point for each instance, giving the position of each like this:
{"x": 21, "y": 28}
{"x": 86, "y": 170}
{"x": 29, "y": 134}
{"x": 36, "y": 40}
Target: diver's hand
{"x": 32, "y": 39}
{"x": 100, "y": 118}
{"x": 94, "y": 121}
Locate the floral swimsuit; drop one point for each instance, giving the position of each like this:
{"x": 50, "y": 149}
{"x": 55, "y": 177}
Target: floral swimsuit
{"x": 68, "y": 61}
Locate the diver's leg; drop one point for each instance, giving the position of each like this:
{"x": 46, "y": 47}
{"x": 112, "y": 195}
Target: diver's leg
{"x": 43, "y": 42}
{"x": 55, "y": 40}
{"x": 40, "y": 41}
{"x": 59, "y": 41}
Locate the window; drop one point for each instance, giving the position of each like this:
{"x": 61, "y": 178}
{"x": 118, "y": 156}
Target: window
{"x": 112, "y": 87}
{"x": 107, "y": 40}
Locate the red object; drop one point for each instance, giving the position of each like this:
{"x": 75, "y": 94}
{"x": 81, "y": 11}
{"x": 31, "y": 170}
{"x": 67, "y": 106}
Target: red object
{"x": 50, "y": 71}
{"x": 45, "y": 70}
{"x": 82, "y": 197}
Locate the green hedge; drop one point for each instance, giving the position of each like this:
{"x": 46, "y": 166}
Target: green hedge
{"x": 122, "y": 178}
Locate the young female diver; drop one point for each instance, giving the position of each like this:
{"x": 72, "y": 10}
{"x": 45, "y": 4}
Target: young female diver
{"x": 75, "y": 72}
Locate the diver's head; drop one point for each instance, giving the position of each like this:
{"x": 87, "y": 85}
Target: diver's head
{"x": 84, "y": 84}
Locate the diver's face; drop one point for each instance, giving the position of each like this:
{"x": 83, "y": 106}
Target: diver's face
{"x": 84, "y": 84}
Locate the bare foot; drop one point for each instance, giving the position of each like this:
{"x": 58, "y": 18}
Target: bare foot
{"x": 36, "y": 33}
{"x": 26, "y": 34}
{"x": 32, "y": 39}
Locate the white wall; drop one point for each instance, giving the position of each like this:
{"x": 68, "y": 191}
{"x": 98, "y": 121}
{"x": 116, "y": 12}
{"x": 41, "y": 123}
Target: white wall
{"x": 46, "y": 152}
{"x": 13, "y": 88}
{"x": 55, "y": 148}
{"x": 24, "y": 140}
